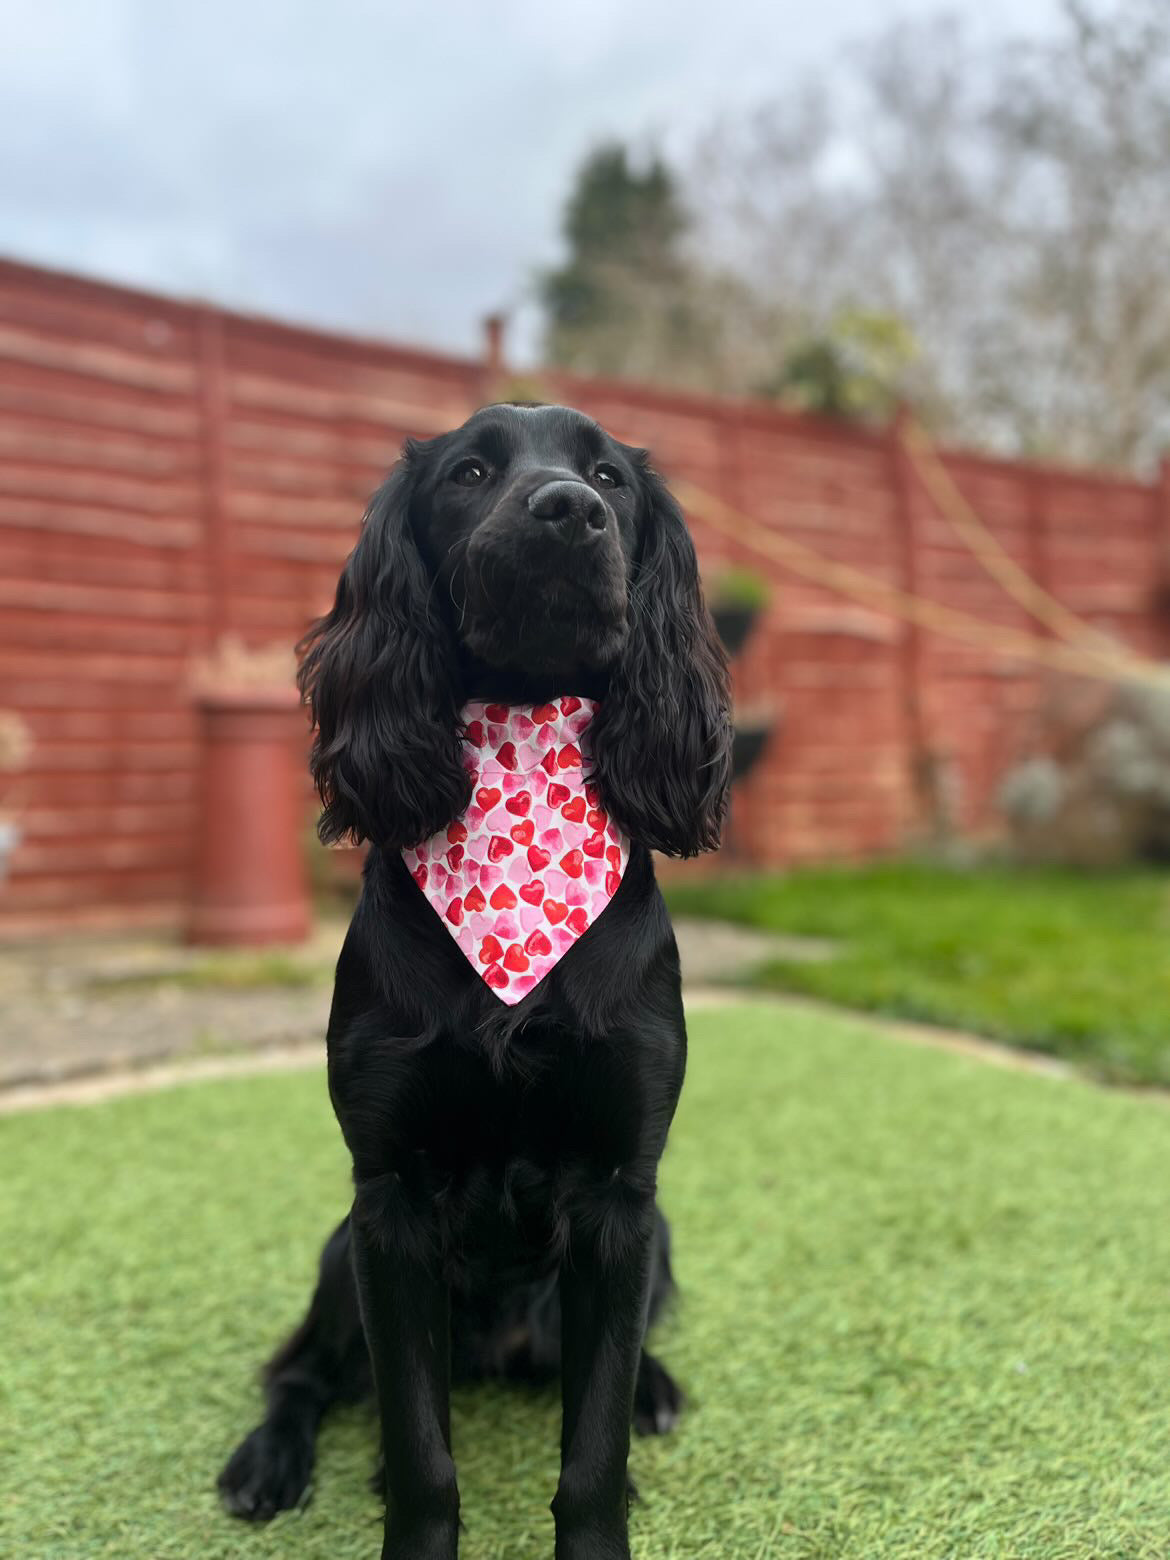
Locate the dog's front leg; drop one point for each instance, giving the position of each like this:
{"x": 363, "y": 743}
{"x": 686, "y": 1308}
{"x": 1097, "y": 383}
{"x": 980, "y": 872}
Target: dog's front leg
{"x": 405, "y": 1306}
{"x": 603, "y": 1286}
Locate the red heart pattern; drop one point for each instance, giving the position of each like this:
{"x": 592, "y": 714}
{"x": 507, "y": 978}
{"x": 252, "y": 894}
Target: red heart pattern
{"x": 515, "y": 912}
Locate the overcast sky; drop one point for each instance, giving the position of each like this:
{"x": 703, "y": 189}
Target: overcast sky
{"x": 391, "y": 168}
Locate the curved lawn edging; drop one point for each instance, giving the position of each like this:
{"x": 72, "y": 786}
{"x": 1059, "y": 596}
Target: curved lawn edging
{"x": 1075, "y": 965}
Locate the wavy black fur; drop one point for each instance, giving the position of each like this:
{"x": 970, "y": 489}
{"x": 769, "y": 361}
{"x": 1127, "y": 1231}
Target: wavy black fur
{"x": 379, "y": 671}
{"x": 662, "y": 739}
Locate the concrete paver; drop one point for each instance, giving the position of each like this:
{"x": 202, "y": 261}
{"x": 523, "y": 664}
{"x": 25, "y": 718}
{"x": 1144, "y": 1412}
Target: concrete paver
{"x": 83, "y": 1006}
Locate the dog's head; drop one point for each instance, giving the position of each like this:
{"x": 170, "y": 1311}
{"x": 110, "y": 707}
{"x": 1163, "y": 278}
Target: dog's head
{"x": 523, "y": 555}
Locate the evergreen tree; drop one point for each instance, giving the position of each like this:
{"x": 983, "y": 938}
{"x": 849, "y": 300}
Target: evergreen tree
{"x": 623, "y": 228}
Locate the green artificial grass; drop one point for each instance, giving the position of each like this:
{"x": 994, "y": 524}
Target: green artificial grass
{"x": 924, "y": 1317}
{"x": 1075, "y": 964}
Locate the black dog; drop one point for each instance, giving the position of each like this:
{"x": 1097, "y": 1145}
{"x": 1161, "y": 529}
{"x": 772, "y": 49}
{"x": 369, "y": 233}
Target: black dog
{"x": 504, "y": 1157}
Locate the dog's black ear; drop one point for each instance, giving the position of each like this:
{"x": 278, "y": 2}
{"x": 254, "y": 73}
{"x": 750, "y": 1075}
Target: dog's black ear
{"x": 379, "y": 675}
{"x": 662, "y": 738}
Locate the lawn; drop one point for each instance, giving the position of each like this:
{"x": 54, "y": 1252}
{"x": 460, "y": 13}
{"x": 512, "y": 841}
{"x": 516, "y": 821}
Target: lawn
{"x": 1071, "y": 963}
{"x": 924, "y": 1315}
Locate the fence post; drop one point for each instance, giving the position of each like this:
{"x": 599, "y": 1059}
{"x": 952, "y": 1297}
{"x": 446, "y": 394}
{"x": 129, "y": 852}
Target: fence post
{"x": 741, "y": 842}
{"x": 494, "y": 369}
{"x": 1039, "y": 558}
{"x": 911, "y": 675}
{"x": 213, "y": 417}
{"x": 1161, "y": 613}
{"x": 248, "y": 879}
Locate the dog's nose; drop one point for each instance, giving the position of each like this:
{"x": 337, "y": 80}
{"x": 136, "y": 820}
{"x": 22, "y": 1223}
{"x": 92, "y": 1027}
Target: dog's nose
{"x": 573, "y": 506}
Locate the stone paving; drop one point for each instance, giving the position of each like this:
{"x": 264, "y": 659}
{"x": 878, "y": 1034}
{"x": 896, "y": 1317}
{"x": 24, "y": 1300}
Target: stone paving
{"x": 77, "y": 1008}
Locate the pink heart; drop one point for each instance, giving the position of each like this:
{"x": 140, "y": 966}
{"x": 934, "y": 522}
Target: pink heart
{"x": 552, "y": 839}
{"x": 490, "y": 874}
{"x": 576, "y": 893}
{"x": 595, "y": 872}
{"x": 506, "y": 928}
{"x": 474, "y": 817}
{"x": 518, "y": 869}
{"x": 514, "y": 783}
{"x": 545, "y": 736}
{"x": 531, "y": 916}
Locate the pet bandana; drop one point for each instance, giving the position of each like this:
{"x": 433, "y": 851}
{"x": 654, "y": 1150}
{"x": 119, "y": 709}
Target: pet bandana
{"x": 535, "y": 859}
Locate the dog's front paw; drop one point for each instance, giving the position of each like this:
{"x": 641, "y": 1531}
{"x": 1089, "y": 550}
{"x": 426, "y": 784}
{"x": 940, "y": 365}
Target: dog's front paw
{"x": 658, "y": 1398}
{"x": 268, "y": 1472}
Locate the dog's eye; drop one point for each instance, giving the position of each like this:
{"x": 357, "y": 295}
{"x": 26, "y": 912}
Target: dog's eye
{"x": 607, "y": 476}
{"x": 469, "y": 472}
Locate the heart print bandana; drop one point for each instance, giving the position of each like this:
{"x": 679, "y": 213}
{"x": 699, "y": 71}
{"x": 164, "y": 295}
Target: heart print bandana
{"x": 535, "y": 859}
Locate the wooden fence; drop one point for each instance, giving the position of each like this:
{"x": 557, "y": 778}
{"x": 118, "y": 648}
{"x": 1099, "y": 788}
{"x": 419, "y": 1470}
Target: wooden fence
{"x": 171, "y": 472}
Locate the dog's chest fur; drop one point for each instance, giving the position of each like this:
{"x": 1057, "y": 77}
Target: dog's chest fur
{"x": 505, "y": 1156}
